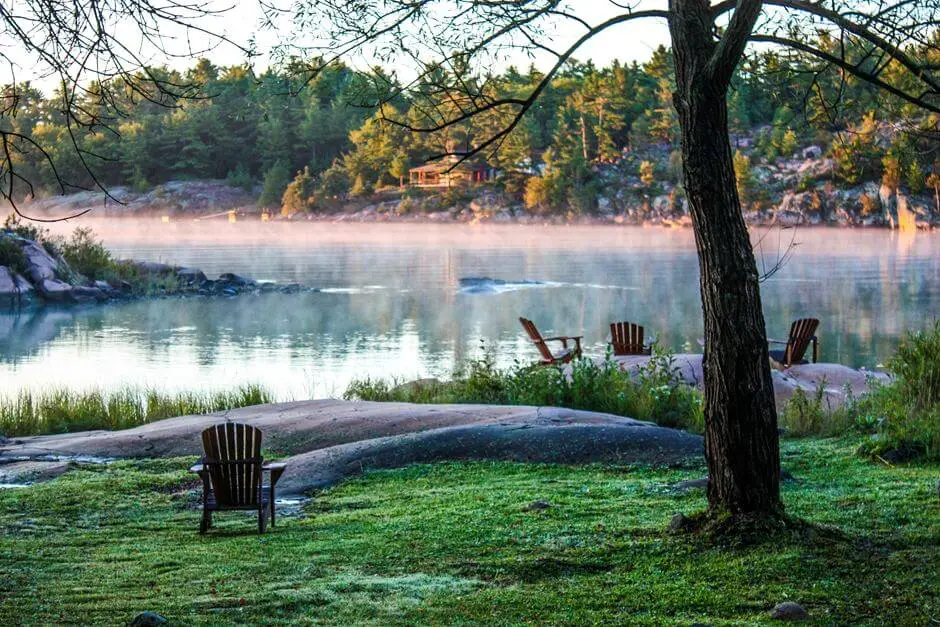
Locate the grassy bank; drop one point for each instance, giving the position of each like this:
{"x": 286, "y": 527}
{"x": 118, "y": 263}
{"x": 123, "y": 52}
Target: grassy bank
{"x": 655, "y": 393}
{"x": 452, "y": 543}
{"x": 63, "y": 411}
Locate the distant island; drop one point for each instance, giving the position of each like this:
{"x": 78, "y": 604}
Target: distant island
{"x": 37, "y": 269}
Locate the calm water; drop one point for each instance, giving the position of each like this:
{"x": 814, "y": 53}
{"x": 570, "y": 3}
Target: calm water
{"x": 391, "y": 303}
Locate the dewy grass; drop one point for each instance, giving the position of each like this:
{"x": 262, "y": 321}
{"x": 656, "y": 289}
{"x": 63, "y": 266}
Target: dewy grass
{"x": 62, "y": 411}
{"x": 453, "y": 543}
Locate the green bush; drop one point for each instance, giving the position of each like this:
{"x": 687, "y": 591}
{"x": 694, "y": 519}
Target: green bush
{"x": 12, "y": 256}
{"x": 33, "y": 232}
{"x": 240, "y": 177}
{"x": 87, "y": 255}
{"x": 653, "y": 393}
{"x": 903, "y": 416}
{"x": 916, "y": 366}
{"x": 805, "y": 415}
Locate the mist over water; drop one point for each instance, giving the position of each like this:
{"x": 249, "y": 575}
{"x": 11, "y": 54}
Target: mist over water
{"x": 391, "y": 303}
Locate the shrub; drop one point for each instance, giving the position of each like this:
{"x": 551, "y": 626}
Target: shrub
{"x": 917, "y": 368}
{"x": 276, "y": 180}
{"x": 647, "y": 173}
{"x": 653, "y": 393}
{"x": 903, "y": 416}
{"x": 12, "y": 256}
{"x": 240, "y": 177}
{"x": 299, "y": 194}
{"x": 33, "y": 232}
{"x": 87, "y": 255}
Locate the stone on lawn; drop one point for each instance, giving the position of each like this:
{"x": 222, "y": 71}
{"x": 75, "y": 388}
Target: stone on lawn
{"x": 788, "y": 610}
{"x": 148, "y": 619}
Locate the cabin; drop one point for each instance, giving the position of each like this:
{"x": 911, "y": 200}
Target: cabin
{"x": 446, "y": 174}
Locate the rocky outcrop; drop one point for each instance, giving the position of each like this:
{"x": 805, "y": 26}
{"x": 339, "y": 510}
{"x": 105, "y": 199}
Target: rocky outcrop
{"x": 42, "y": 265}
{"x": 49, "y": 279}
{"x": 330, "y": 440}
{"x": 174, "y": 198}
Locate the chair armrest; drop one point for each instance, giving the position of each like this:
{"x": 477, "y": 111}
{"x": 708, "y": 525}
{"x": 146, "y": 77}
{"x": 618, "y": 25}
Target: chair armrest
{"x": 562, "y": 338}
{"x": 276, "y": 469}
{"x": 773, "y": 341}
{"x": 197, "y": 468}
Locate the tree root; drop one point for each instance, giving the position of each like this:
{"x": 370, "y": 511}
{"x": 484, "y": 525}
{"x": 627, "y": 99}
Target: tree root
{"x": 751, "y": 529}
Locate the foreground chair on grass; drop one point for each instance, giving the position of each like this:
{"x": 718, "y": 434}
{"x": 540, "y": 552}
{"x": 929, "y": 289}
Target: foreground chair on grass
{"x": 626, "y": 338}
{"x": 549, "y": 358}
{"x": 232, "y": 473}
{"x": 802, "y": 333}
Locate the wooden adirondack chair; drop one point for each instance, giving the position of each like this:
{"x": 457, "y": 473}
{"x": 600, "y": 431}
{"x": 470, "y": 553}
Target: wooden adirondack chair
{"x": 548, "y": 358}
{"x": 802, "y": 333}
{"x": 232, "y": 473}
{"x": 626, "y": 338}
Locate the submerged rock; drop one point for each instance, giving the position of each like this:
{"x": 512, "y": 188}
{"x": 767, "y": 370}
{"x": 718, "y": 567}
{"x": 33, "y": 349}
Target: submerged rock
{"x": 487, "y": 285}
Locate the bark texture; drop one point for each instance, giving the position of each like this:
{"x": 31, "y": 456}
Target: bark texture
{"x": 741, "y": 441}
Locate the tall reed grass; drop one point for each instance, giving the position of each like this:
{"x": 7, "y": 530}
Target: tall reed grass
{"x": 33, "y": 412}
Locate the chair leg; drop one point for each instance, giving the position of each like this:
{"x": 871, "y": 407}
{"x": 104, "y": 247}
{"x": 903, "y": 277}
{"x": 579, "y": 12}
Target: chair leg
{"x": 205, "y": 523}
{"x": 262, "y": 516}
{"x": 272, "y": 507}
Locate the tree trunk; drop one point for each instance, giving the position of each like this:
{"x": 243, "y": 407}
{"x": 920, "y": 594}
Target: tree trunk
{"x": 741, "y": 441}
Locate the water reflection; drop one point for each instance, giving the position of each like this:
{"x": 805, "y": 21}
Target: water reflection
{"x": 394, "y": 308}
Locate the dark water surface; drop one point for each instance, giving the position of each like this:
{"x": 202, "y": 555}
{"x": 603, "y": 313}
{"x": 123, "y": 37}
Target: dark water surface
{"x": 392, "y": 305}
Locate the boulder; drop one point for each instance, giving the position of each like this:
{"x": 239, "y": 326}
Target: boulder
{"x": 14, "y": 289}
{"x": 790, "y": 611}
{"x": 234, "y": 279}
{"x": 190, "y": 276}
{"x": 812, "y": 152}
{"x": 148, "y": 619}
{"x": 56, "y": 291}
{"x": 42, "y": 266}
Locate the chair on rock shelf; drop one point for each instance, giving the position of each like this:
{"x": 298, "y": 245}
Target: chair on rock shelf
{"x": 802, "y": 333}
{"x": 232, "y": 472}
{"x": 626, "y": 338}
{"x": 549, "y": 358}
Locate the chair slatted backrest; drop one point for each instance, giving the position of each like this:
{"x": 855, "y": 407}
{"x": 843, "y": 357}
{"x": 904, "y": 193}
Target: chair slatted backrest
{"x": 233, "y": 459}
{"x": 801, "y": 334}
{"x": 536, "y": 338}
{"x": 627, "y": 338}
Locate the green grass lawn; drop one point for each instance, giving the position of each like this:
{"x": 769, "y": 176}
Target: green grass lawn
{"x": 451, "y": 543}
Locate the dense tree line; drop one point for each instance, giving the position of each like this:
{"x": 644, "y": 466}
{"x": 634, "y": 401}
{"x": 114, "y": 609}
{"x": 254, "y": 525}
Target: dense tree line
{"x": 309, "y": 139}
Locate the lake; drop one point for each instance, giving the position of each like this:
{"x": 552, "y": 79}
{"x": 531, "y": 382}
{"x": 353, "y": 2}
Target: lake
{"x": 391, "y": 303}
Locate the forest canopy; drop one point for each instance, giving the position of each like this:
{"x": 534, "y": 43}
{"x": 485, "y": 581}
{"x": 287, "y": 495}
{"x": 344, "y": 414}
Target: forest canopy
{"x": 324, "y": 134}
